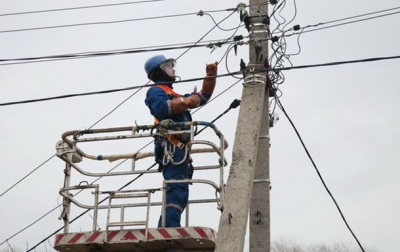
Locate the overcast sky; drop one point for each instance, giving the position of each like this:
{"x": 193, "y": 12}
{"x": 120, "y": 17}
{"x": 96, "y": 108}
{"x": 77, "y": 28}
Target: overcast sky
{"x": 347, "y": 115}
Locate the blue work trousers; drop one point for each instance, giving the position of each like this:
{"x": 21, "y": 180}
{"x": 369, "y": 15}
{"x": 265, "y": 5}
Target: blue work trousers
{"x": 177, "y": 193}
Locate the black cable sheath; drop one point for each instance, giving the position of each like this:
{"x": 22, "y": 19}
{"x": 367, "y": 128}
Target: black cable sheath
{"x": 319, "y": 174}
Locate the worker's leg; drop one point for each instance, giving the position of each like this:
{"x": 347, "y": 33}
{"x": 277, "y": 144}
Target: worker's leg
{"x": 178, "y": 193}
{"x": 177, "y": 198}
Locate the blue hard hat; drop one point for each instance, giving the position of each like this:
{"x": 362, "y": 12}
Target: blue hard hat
{"x": 153, "y": 63}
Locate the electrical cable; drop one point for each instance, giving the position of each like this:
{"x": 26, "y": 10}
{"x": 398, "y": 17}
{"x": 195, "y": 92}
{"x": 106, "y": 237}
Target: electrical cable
{"x": 105, "y": 53}
{"x": 277, "y": 77}
{"x": 342, "y": 19}
{"x": 99, "y": 92}
{"x": 116, "y": 107}
{"x": 278, "y": 45}
{"x": 50, "y": 244}
{"x": 55, "y": 155}
{"x": 226, "y": 62}
{"x": 233, "y": 105}
{"x": 222, "y": 29}
{"x": 86, "y": 211}
{"x": 113, "y": 111}
{"x": 120, "y": 104}
{"x": 233, "y": 45}
{"x": 52, "y": 210}
{"x": 119, "y": 51}
{"x": 319, "y": 174}
{"x": 215, "y": 97}
{"x": 101, "y": 55}
{"x": 10, "y": 246}
{"x": 94, "y": 23}
{"x": 78, "y": 8}
{"x": 361, "y": 15}
{"x": 201, "y": 78}
{"x": 149, "y": 81}
{"x": 351, "y": 22}
{"x": 275, "y": 9}
{"x": 27, "y": 175}
{"x": 25, "y": 228}
{"x": 105, "y": 22}
{"x": 216, "y": 24}
{"x": 346, "y": 23}
{"x": 336, "y": 63}
{"x": 123, "y": 52}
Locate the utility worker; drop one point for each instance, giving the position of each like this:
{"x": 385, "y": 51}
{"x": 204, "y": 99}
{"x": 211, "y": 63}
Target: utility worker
{"x": 165, "y": 104}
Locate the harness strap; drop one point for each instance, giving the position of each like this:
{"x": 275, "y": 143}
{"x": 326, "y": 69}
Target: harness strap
{"x": 172, "y": 95}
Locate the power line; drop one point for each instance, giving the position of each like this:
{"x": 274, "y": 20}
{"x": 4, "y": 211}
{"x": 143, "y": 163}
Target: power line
{"x": 27, "y": 175}
{"x": 336, "y": 63}
{"x": 52, "y": 210}
{"x": 117, "y": 52}
{"x": 116, "y": 90}
{"x": 25, "y": 228}
{"x": 128, "y": 51}
{"x": 216, "y": 24}
{"x": 319, "y": 174}
{"x": 355, "y": 21}
{"x": 97, "y": 92}
{"x": 78, "y": 8}
{"x": 58, "y": 206}
{"x": 95, "y": 23}
{"x": 108, "y": 22}
{"x": 361, "y": 15}
{"x": 116, "y": 107}
{"x": 285, "y": 113}
{"x": 197, "y": 79}
{"x": 345, "y": 23}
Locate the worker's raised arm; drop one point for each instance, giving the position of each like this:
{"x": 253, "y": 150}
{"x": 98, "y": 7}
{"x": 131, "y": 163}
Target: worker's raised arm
{"x": 183, "y": 103}
{"x": 208, "y": 83}
{"x": 211, "y": 79}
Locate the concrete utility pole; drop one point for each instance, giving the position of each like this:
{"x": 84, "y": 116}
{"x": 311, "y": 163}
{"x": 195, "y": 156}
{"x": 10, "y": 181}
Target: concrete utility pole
{"x": 248, "y": 182}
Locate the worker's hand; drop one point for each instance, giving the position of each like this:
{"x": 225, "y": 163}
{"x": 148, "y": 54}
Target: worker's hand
{"x": 212, "y": 68}
{"x": 181, "y": 104}
{"x": 192, "y": 101}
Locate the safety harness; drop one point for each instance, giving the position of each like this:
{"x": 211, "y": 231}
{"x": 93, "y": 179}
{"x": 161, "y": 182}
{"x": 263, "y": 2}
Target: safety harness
{"x": 164, "y": 124}
{"x": 179, "y": 141}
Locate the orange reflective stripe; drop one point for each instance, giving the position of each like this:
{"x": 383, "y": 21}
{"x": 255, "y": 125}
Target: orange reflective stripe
{"x": 170, "y": 92}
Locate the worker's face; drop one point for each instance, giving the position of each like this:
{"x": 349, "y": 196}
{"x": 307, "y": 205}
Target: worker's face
{"x": 169, "y": 67}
